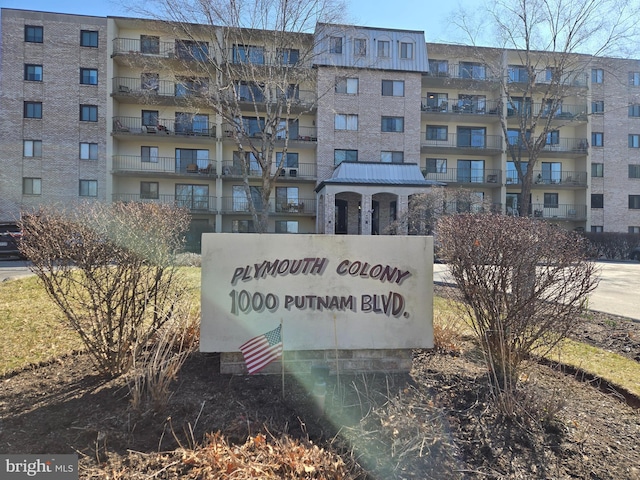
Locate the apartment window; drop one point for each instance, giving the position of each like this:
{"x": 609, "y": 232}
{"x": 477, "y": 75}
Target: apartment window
{"x": 288, "y": 56}
{"x": 286, "y": 226}
{"x": 634, "y": 110}
{"x": 597, "y": 229}
{"x": 88, "y": 113}
{"x": 88, "y": 151}
{"x": 634, "y": 79}
{"x": 634, "y": 202}
{"x": 248, "y": 54}
{"x": 597, "y": 139}
{"x": 597, "y": 107}
{"x": 33, "y": 73}
{"x": 88, "y": 76}
{"x": 550, "y": 200}
{"x": 392, "y": 157}
{"x": 150, "y": 82}
{"x": 551, "y": 172}
{"x": 290, "y": 160}
{"x": 597, "y": 75}
{"x": 192, "y": 197}
{"x": 287, "y": 199}
{"x": 553, "y": 137}
{"x": 634, "y": 171}
{"x": 33, "y": 34}
{"x": 392, "y": 124}
{"x": 150, "y": 44}
{"x": 597, "y": 170}
{"x": 346, "y": 122}
{"x": 634, "y": 229}
{"x": 335, "y": 45}
{"x": 88, "y": 188}
{"x": 437, "y": 132}
{"x": 436, "y": 165}
{"x": 31, "y": 186}
{"x": 597, "y": 200}
{"x": 239, "y": 198}
{"x": 150, "y": 118}
{"x": 32, "y": 148}
{"x": 634, "y": 141}
{"x": 192, "y": 50}
{"x": 340, "y": 156}
{"x": 472, "y": 137}
{"x": 518, "y": 74}
{"x": 149, "y": 154}
{"x": 393, "y": 88}
{"x": 439, "y": 68}
{"x": 406, "y": 50}
{"x": 243, "y": 226}
{"x": 359, "y": 47}
{"x": 347, "y": 85}
{"x": 470, "y": 171}
{"x": 32, "y": 109}
{"x": 88, "y": 38}
{"x": 384, "y": 48}
{"x": 149, "y": 190}
{"x": 473, "y": 70}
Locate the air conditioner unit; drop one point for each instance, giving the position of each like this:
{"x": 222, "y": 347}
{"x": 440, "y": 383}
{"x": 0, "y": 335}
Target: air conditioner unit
{"x": 282, "y": 173}
{"x": 293, "y": 172}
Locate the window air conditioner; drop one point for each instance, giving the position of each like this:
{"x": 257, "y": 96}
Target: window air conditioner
{"x": 293, "y": 172}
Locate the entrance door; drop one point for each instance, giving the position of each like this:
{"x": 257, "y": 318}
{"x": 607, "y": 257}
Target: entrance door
{"x": 375, "y": 218}
{"x": 341, "y": 217}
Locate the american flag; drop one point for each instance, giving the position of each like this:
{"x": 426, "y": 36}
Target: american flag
{"x": 260, "y": 351}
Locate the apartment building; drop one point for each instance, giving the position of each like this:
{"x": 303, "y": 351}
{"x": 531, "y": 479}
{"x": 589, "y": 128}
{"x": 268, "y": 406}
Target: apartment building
{"x": 110, "y": 109}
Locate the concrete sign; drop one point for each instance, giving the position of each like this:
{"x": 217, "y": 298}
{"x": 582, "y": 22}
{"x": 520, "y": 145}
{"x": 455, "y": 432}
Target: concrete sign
{"x": 329, "y": 292}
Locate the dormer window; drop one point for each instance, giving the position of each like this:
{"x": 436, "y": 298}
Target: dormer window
{"x": 406, "y": 50}
{"x": 335, "y": 45}
{"x": 384, "y": 48}
{"x": 360, "y": 47}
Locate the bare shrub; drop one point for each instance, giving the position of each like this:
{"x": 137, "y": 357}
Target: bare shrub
{"x": 524, "y": 284}
{"x": 110, "y": 268}
{"x": 612, "y": 245}
{"x": 447, "y": 333}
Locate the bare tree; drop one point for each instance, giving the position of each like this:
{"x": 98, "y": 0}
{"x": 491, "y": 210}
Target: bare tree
{"x": 513, "y": 314}
{"x": 110, "y": 268}
{"x": 251, "y": 63}
{"x": 543, "y": 49}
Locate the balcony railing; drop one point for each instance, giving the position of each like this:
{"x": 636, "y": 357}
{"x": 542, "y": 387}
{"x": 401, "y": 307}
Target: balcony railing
{"x": 546, "y": 76}
{"x": 133, "y": 163}
{"x": 300, "y": 134}
{"x": 233, "y": 168}
{"x": 300, "y": 206}
{"x": 455, "y": 140}
{"x": 560, "y": 145}
{"x": 462, "y": 71}
{"x": 564, "y": 112}
{"x": 183, "y": 50}
{"x": 558, "y": 211}
{"x": 194, "y": 203}
{"x": 455, "y": 105}
{"x": 465, "y": 175}
{"x": 163, "y": 126}
{"x": 564, "y": 178}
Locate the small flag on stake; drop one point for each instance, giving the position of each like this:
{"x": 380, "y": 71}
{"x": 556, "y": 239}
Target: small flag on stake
{"x": 260, "y": 351}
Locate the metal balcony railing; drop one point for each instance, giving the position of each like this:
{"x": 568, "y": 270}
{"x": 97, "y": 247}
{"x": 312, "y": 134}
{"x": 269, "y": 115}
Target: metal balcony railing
{"x": 557, "y": 211}
{"x": 163, "y": 126}
{"x": 300, "y": 206}
{"x": 559, "y": 145}
{"x": 460, "y": 105}
{"x": 564, "y": 178}
{"x": 233, "y": 168}
{"x": 178, "y": 49}
{"x": 194, "y": 203}
{"x": 563, "y": 112}
{"x": 463, "y": 175}
{"x": 456, "y": 140}
{"x": 465, "y": 71}
{"x": 300, "y": 134}
{"x": 136, "y": 163}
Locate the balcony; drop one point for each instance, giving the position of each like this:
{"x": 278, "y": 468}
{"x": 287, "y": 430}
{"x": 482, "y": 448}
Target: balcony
{"x": 488, "y": 177}
{"x": 161, "y": 166}
{"x": 164, "y": 126}
{"x": 194, "y": 203}
{"x": 562, "y": 114}
{"x": 300, "y": 206}
{"x": 559, "y": 211}
{"x": 559, "y": 179}
{"x": 463, "y": 143}
{"x": 565, "y": 147}
{"x": 303, "y": 171}
{"x": 153, "y": 48}
{"x": 459, "y": 106}
{"x": 463, "y": 71}
{"x": 296, "y": 134}
{"x": 163, "y": 92}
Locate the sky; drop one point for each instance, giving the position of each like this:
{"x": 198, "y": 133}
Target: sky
{"x": 428, "y": 16}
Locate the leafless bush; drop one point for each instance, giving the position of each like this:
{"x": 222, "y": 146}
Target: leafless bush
{"x": 524, "y": 284}
{"x": 447, "y": 333}
{"x": 111, "y": 270}
{"x": 612, "y": 245}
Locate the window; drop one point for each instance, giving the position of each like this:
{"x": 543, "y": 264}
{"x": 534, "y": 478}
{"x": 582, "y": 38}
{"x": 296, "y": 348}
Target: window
{"x": 88, "y": 151}
{"x": 192, "y": 50}
{"x": 439, "y": 68}
{"x": 240, "y": 203}
{"x": 88, "y": 76}
{"x": 149, "y": 190}
{"x": 597, "y": 200}
{"x": 149, "y": 154}
{"x": 33, "y": 73}
{"x": 597, "y": 229}
{"x": 471, "y": 137}
{"x": 553, "y": 137}
{"x": 335, "y": 45}
{"x": 359, "y": 46}
{"x": 186, "y": 86}
{"x": 290, "y": 161}
{"x": 88, "y": 188}
{"x": 88, "y": 113}
{"x": 347, "y": 85}
{"x": 597, "y": 169}
{"x": 242, "y": 159}
{"x": 473, "y": 70}
{"x": 250, "y": 91}
{"x": 551, "y": 172}
{"x": 287, "y": 199}
{"x": 393, "y": 88}
{"x": 190, "y": 156}
{"x": 32, "y": 109}
{"x": 437, "y": 132}
{"x": 384, "y": 48}
{"x": 286, "y": 226}
{"x": 470, "y": 104}
{"x": 634, "y": 79}
{"x": 150, "y": 44}
{"x": 248, "y": 54}
{"x": 470, "y": 171}
{"x": 597, "y": 107}
{"x": 192, "y": 197}
{"x": 634, "y": 202}
{"x": 597, "y": 139}
{"x": 518, "y": 74}
{"x": 346, "y": 122}
{"x": 406, "y": 50}
{"x": 33, "y": 34}
{"x": 436, "y": 102}
{"x": 550, "y": 200}
{"x": 634, "y": 110}
{"x": 392, "y": 124}
{"x": 288, "y": 56}
{"x": 634, "y": 171}
{"x": 436, "y": 165}
{"x": 88, "y": 38}
{"x": 515, "y": 174}
{"x": 31, "y": 186}
{"x": 597, "y": 75}
{"x": 150, "y": 118}
{"x": 32, "y": 148}
{"x": 634, "y": 229}
{"x": 340, "y": 156}
{"x": 392, "y": 157}
{"x": 634, "y": 141}
{"x": 150, "y": 82}
{"x": 243, "y": 226}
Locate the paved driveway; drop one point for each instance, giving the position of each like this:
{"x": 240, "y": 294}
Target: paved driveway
{"x": 618, "y": 291}
{"x": 13, "y": 269}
